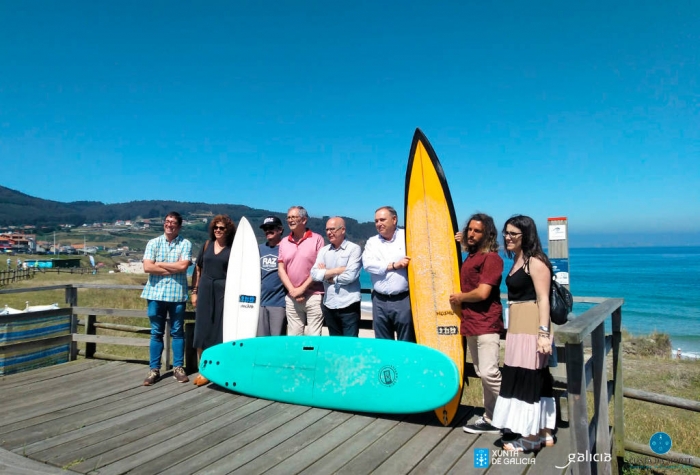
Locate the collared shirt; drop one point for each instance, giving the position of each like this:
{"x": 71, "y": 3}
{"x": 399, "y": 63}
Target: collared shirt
{"x": 167, "y": 288}
{"x": 379, "y": 253}
{"x": 484, "y": 317}
{"x": 299, "y": 257}
{"x": 345, "y": 288}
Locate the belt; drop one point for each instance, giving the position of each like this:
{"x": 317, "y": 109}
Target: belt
{"x": 399, "y": 296}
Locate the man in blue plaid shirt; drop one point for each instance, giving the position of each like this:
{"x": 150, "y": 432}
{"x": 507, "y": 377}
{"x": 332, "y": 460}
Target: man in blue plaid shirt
{"x": 166, "y": 259}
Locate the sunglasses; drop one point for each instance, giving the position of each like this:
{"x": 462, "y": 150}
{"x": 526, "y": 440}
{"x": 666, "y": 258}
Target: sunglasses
{"x": 219, "y": 228}
{"x": 269, "y": 230}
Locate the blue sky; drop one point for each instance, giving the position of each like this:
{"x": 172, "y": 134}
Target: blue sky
{"x": 542, "y": 108}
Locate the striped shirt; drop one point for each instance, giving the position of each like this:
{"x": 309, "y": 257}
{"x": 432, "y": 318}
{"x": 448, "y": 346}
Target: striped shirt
{"x": 167, "y": 288}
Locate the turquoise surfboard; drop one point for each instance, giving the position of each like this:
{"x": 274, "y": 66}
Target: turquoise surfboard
{"x": 341, "y": 373}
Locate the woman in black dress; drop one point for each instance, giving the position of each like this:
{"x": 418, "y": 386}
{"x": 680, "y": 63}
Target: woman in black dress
{"x": 208, "y": 290}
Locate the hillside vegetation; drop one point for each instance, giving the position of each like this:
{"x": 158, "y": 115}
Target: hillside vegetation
{"x": 19, "y": 209}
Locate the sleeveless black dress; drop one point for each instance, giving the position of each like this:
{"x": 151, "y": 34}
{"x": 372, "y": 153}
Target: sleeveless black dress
{"x": 208, "y": 324}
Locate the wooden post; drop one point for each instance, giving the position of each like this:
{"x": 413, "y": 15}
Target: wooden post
{"x": 600, "y": 397}
{"x": 190, "y": 352}
{"x": 72, "y": 296}
{"x": 73, "y": 344}
{"x": 558, "y": 253}
{"x": 90, "y": 348}
{"x": 558, "y": 248}
{"x": 618, "y": 396}
{"x": 165, "y": 357}
{"x": 578, "y": 410}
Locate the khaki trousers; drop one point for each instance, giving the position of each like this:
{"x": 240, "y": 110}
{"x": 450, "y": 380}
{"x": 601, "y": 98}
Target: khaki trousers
{"x": 484, "y": 350}
{"x": 304, "y": 318}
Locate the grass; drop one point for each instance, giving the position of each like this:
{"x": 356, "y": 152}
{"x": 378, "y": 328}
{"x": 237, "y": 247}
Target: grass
{"x": 647, "y": 364}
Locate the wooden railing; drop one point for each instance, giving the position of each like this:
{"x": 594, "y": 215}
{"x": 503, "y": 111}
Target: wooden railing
{"x": 591, "y": 437}
{"x": 596, "y": 435}
{"x": 10, "y": 276}
{"x": 582, "y": 336}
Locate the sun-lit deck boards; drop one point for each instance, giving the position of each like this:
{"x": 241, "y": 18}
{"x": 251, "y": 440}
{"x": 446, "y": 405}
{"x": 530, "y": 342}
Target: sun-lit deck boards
{"x": 95, "y": 417}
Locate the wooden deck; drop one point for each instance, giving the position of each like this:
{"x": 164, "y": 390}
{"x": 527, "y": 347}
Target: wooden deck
{"x": 95, "y": 417}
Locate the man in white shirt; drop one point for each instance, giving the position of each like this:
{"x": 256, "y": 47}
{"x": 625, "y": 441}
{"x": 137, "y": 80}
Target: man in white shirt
{"x": 385, "y": 260}
{"x": 338, "y": 267}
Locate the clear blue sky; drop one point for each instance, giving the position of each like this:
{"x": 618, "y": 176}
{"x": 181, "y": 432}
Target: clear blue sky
{"x": 590, "y": 111}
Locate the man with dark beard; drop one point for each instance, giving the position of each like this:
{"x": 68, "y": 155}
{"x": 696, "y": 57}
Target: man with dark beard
{"x": 480, "y": 306}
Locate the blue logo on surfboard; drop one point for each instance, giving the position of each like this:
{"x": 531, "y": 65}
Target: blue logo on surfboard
{"x": 247, "y": 299}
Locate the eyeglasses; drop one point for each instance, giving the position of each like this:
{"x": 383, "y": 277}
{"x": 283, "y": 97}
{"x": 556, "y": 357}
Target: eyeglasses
{"x": 219, "y": 228}
{"x": 508, "y": 234}
{"x": 293, "y": 218}
{"x": 171, "y": 223}
{"x": 333, "y": 230}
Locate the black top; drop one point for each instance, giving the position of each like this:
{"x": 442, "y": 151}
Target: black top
{"x": 214, "y": 265}
{"x": 520, "y": 286}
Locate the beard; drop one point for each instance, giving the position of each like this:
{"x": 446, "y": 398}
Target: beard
{"x": 472, "y": 248}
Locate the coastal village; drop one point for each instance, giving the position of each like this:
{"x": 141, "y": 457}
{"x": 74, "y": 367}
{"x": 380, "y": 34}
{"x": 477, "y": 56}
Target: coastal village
{"x": 21, "y": 240}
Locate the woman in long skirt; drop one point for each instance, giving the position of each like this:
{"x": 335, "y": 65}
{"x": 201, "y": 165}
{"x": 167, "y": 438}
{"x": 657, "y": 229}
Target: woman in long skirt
{"x": 525, "y": 404}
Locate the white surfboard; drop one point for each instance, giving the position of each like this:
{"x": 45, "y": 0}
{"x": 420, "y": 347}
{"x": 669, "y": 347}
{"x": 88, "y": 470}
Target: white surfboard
{"x": 242, "y": 297}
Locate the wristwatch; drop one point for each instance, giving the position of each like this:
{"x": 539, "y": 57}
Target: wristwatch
{"x": 544, "y": 329}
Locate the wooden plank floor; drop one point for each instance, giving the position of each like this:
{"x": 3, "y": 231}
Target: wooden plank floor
{"x": 95, "y": 417}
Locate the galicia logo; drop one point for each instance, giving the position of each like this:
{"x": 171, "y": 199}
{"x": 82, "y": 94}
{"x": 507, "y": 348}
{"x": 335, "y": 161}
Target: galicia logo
{"x": 481, "y": 458}
{"x": 268, "y": 262}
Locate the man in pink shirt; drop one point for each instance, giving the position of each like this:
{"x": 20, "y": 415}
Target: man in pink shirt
{"x": 297, "y": 256}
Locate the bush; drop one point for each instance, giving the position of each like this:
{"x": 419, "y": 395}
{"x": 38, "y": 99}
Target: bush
{"x": 656, "y": 344}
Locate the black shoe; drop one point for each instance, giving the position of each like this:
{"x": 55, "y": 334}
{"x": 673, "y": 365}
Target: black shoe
{"x": 480, "y": 426}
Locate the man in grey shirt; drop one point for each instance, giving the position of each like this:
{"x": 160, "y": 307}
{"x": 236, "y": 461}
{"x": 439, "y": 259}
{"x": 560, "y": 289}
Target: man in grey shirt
{"x": 338, "y": 267}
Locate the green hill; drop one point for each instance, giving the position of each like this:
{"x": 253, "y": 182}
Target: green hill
{"x": 17, "y": 209}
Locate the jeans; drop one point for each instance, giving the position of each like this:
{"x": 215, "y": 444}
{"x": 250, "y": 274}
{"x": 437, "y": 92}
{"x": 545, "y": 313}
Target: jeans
{"x": 157, "y": 313}
{"x": 342, "y": 321}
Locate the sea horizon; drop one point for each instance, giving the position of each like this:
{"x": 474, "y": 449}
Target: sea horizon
{"x": 648, "y": 278}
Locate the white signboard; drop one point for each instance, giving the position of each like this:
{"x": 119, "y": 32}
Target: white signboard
{"x": 557, "y": 232}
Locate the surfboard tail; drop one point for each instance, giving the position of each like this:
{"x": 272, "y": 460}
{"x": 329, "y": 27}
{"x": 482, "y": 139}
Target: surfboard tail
{"x": 446, "y": 413}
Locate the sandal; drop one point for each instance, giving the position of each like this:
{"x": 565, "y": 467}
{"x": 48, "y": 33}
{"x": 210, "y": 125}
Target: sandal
{"x": 547, "y": 441}
{"x": 200, "y": 380}
{"x": 522, "y": 445}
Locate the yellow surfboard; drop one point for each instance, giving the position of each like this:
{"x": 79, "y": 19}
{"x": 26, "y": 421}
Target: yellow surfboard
{"x": 433, "y": 273}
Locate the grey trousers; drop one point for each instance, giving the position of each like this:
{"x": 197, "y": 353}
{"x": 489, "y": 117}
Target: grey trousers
{"x": 392, "y": 318}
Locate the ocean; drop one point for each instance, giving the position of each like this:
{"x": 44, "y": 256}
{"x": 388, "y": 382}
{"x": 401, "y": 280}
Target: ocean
{"x": 659, "y": 284}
